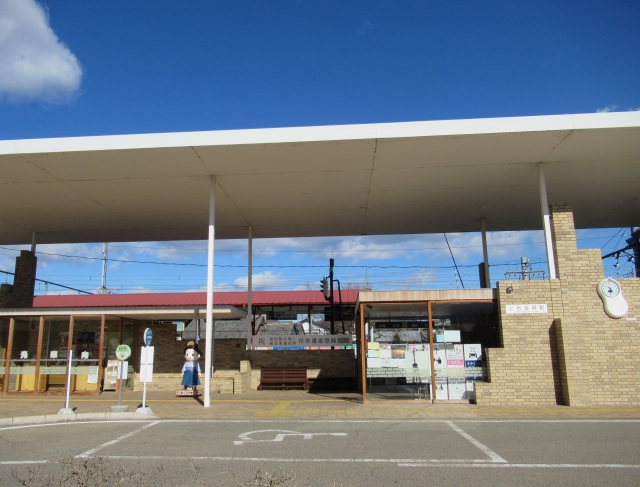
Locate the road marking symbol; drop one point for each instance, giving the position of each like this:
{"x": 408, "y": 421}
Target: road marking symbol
{"x": 280, "y": 435}
{"x": 483, "y": 448}
{"x": 88, "y": 453}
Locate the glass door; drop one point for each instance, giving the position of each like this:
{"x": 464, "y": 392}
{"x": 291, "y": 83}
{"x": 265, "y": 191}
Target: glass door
{"x": 86, "y": 345}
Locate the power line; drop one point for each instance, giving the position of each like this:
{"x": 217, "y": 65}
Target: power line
{"x": 49, "y": 282}
{"x": 332, "y": 250}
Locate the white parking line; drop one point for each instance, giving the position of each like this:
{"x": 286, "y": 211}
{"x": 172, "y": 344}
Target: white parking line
{"x": 292, "y": 460}
{"x": 483, "y": 448}
{"x": 113, "y": 442}
{"x": 524, "y": 465}
{"x": 71, "y": 423}
{"x": 399, "y": 462}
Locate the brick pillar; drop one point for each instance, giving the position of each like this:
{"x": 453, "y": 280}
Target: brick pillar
{"x": 24, "y": 281}
{"x": 563, "y": 236}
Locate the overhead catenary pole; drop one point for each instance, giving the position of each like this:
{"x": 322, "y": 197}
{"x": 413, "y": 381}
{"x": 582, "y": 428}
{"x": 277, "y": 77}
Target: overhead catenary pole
{"x": 546, "y": 221}
{"x": 208, "y": 360}
{"x": 485, "y": 253}
{"x": 249, "y": 290}
{"x": 635, "y": 242}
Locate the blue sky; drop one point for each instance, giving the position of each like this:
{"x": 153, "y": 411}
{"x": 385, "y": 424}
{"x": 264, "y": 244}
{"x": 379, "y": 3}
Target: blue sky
{"x": 71, "y": 68}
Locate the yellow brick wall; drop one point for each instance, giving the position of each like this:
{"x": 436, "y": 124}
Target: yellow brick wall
{"x": 575, "y": 354}
{"x": 236, "y": 369}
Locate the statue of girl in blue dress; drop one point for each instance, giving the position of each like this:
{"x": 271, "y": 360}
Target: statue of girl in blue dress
{"x": 191, "y": 368}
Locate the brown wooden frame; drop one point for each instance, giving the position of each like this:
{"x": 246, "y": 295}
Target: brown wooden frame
{"x": 5, "y": 387}
{"x": 362, "y": 375}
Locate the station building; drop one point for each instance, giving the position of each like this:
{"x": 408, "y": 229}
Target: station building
{"x": 571, "y": 339}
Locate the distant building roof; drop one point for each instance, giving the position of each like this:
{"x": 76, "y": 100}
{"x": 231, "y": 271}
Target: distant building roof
{"x": 280, "y": 328}
{"x": 238, "y": 299}
{"x": 223, "y": 329}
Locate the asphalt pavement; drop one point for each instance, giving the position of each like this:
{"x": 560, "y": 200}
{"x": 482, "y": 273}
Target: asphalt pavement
{"x": 348, "y": 452}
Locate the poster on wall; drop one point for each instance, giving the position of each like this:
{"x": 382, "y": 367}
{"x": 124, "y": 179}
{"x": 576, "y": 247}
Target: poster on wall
{"x": 418, "y": 359}
{"x": 398, "y": 353}
{"x": 439, "y": 356}
{"x": 385, "y": 351}
{"x": 373, "y": 363}
{"x": 92, "y": 374}
{"x": 457, "y": 388}
{"x": 455, "y": 355}
{"x": 473, "y": 355}
{"x": 111, "y": 375}
{"x": 452, "y": 336}
{"x": 442, "y": 389}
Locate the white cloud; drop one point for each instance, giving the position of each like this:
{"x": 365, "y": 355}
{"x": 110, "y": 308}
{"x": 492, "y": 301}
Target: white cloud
{"x": 606, "y": 109}
{"x": 34, "y": 63}
{"x": 263, "y": 280}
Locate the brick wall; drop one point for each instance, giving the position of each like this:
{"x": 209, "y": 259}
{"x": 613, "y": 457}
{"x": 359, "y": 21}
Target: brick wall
{"x": 575, "y": 354}
{"x": 20, "y": 294}
{"x": 236, "y": 369}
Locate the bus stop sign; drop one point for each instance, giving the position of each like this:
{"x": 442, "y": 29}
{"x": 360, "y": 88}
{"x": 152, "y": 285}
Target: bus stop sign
{"x": 148, "y": 336}
{"x": 123, "y": 352}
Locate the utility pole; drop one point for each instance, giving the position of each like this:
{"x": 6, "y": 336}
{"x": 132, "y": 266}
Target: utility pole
{"x": 526, "y": 272}
{"x": 103, "y": 289}
{"x": 634, "y": 241}
{"x": 524, "y": 264}
{"x": 331, "y": 294}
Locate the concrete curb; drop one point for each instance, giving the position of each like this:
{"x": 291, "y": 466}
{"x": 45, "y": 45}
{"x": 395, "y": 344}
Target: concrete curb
{"x": 63, "y": 418}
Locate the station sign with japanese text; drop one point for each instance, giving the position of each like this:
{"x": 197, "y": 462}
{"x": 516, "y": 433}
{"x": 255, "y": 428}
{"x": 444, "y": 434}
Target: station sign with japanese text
{"x": 268, "y": 341}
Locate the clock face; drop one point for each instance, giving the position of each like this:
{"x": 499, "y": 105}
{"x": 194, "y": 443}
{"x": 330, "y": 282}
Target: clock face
{"x": 610, "y": 288}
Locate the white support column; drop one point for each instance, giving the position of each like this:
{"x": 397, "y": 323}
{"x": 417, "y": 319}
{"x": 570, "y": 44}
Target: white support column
{"x": 208, "y": 360}
{"x": 249, "y": 288}
{"x": 485, "y": 253}
{"x": 546, "y": 222}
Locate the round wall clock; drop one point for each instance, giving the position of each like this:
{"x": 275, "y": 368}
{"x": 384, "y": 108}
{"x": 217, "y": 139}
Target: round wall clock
{"x": 611, "y": 294}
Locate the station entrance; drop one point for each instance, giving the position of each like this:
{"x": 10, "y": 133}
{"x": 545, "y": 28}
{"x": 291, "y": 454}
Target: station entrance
{"x": 430, "y": 350}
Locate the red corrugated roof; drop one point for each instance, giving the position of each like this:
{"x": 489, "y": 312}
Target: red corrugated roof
{"x": 239, "y": 299}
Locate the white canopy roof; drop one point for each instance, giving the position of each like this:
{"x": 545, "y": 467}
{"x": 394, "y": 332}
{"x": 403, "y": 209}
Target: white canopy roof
{"x": 393, "y": 178}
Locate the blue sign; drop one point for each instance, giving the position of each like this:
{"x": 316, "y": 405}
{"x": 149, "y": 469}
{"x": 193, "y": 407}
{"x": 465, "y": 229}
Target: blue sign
{"x": 148, "y": 336}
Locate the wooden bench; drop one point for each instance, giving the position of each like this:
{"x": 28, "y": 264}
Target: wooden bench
{"x": 283, "y": 378}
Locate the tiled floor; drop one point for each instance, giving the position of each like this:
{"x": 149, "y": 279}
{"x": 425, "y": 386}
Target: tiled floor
{"x": 296, "y": 405}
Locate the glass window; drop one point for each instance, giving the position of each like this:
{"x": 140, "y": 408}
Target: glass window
{"x": 398, "y": 354}
{"x": 398, "y": 360}
{"x": 4, "y": 337}
{"x": 128, "y": 336}
{"x": 22, "y": 369}
{"x": 53, "y": 358}
{"x": 462, "y": 331}
{"x": 109, "y": 360}
{"x": 85, "y": 344}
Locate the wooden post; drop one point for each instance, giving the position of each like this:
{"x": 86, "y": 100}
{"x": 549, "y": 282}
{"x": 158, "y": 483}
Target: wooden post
{"x": 7, "y": 373}
{"x": 36, "y": 380}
